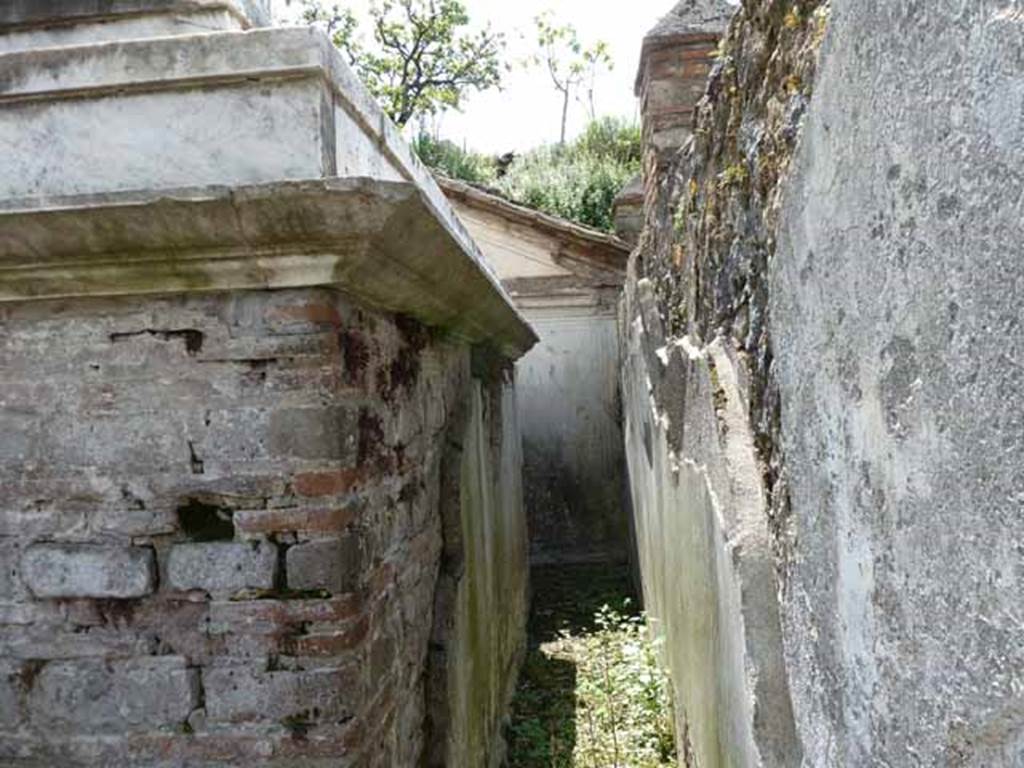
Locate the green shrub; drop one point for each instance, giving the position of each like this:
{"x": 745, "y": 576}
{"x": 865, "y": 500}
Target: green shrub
{"x": 578, "y": 181}
{"x": 451, "y": 160}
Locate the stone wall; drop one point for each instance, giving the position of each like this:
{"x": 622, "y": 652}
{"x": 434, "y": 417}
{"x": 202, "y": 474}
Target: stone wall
{"x": 482, "y": 598}
{"x": 221, "y": 519}
{"x": 895, "y": 309}
{"x": 823, "y": 388}
{"x": 566, "y": 280}
{"x": 572, "y": 436}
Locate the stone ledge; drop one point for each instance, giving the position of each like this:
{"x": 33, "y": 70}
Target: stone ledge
{"x": 167, "y": 63}
{"x": 19, "y": 14}
{"x": 306, "y": 67}
{"x": 377, "y": 240}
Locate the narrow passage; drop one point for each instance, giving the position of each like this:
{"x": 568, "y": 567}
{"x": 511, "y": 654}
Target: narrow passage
{"x": 591, "y": 694}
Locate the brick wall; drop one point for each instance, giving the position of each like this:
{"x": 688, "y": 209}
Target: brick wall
{"x": 220, "y": 529}
{"x": 673, "y": 75}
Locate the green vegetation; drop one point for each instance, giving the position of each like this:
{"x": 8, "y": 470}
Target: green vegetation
{"x": 591, "y": 694}
{"x": 577, "y": 181}
{"x": 422, "y": 59}
{"x": 453, "y": 161}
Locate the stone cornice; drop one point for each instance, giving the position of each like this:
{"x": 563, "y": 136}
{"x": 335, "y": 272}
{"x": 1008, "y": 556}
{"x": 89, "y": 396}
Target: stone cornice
{"x": 162, "y": 257}
{"x": 378, "y": 241}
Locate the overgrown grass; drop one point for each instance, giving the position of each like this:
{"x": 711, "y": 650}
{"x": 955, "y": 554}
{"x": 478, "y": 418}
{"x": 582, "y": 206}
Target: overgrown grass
{"x": 453, "y": 161}
{"x": 591, "y": 693}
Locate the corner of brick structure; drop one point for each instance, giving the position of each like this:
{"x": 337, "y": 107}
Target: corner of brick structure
{"x": 235, "y": 362}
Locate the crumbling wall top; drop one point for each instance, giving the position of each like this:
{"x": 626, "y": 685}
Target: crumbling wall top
{"x": 694, "y": 16}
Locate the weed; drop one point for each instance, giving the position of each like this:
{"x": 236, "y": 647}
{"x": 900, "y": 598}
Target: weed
{"x": 592, "y": 694}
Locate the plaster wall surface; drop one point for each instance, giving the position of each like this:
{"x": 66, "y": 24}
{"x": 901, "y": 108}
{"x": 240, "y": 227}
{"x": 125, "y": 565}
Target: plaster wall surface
{"x": 832, "y": 269}
{"x": 705, "y": 554}
{"x": 569, "y": 403}
{"x": 570, "y": 410}
{"x": 895, "y": 309}
{"x": 483, "y": 598}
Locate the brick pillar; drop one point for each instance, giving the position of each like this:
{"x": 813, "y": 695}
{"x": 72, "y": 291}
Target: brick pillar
{"x": 675, "y": 62}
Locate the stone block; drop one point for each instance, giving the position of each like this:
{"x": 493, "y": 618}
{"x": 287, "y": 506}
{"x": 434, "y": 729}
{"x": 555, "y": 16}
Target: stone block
{"x": 86, "y": 570}
{"x": 248, "y": 694}
{"x": 334, "y": 565}
{"x": 269, "y": 616}
{"x": 331, "y": 483}
{"x": 99, "y": 696}
{"x": 315, "y": 433}
{"x": 222, "y": 568}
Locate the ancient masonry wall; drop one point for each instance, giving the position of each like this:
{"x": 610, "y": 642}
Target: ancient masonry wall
{"x": 823, "y": 391}
{"x": 222, "y": 525}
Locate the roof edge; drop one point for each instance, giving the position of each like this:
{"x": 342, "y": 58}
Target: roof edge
{"x": 379, "y": 241}
{"x": 614, "y": 247}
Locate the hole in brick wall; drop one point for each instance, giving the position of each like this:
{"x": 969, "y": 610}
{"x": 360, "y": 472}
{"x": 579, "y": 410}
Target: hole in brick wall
{"x": 192, "y": 338}
{"x": 206, "y": 522}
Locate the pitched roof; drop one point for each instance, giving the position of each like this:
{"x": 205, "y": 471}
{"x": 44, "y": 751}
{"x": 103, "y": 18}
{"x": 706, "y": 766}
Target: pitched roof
{"x": 687, "y": 18}
{"x": 606, "y": 250}
{"x": 694, "y": 16}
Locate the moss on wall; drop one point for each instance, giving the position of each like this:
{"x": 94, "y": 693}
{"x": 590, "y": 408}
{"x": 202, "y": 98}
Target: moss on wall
{"x": 711, "y": 230}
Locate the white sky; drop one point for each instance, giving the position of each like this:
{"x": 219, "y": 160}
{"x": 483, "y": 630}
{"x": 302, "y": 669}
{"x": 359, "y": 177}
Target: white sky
{"x": 527, "y": 112}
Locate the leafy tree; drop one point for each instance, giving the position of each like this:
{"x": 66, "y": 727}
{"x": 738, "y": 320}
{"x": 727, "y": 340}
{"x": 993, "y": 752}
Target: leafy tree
{"x": 570, "y": 64}
{"x": 423, "y": 59}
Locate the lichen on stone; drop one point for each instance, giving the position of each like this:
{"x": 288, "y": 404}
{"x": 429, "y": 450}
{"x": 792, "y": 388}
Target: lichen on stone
{"x": 711, "y": 234}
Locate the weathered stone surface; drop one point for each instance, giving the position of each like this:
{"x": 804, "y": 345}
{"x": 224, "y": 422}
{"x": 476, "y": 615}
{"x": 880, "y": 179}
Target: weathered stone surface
{"x": 334, "y": 565}
{"x": 31, "y": 24}
{"x": 895, "y": 309}
{"x": 248, "y": 695}
{"x": 93, "y": 103}
{"x": 315, "y": 433}
{"x": 241, "y": 357}
{"x": 86, "y": 570}
{"x": 221, "y": 568}
{"x": 21, "y": 13}
{"x": 114, "y": 696}
{"x": 860, "y": 262}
